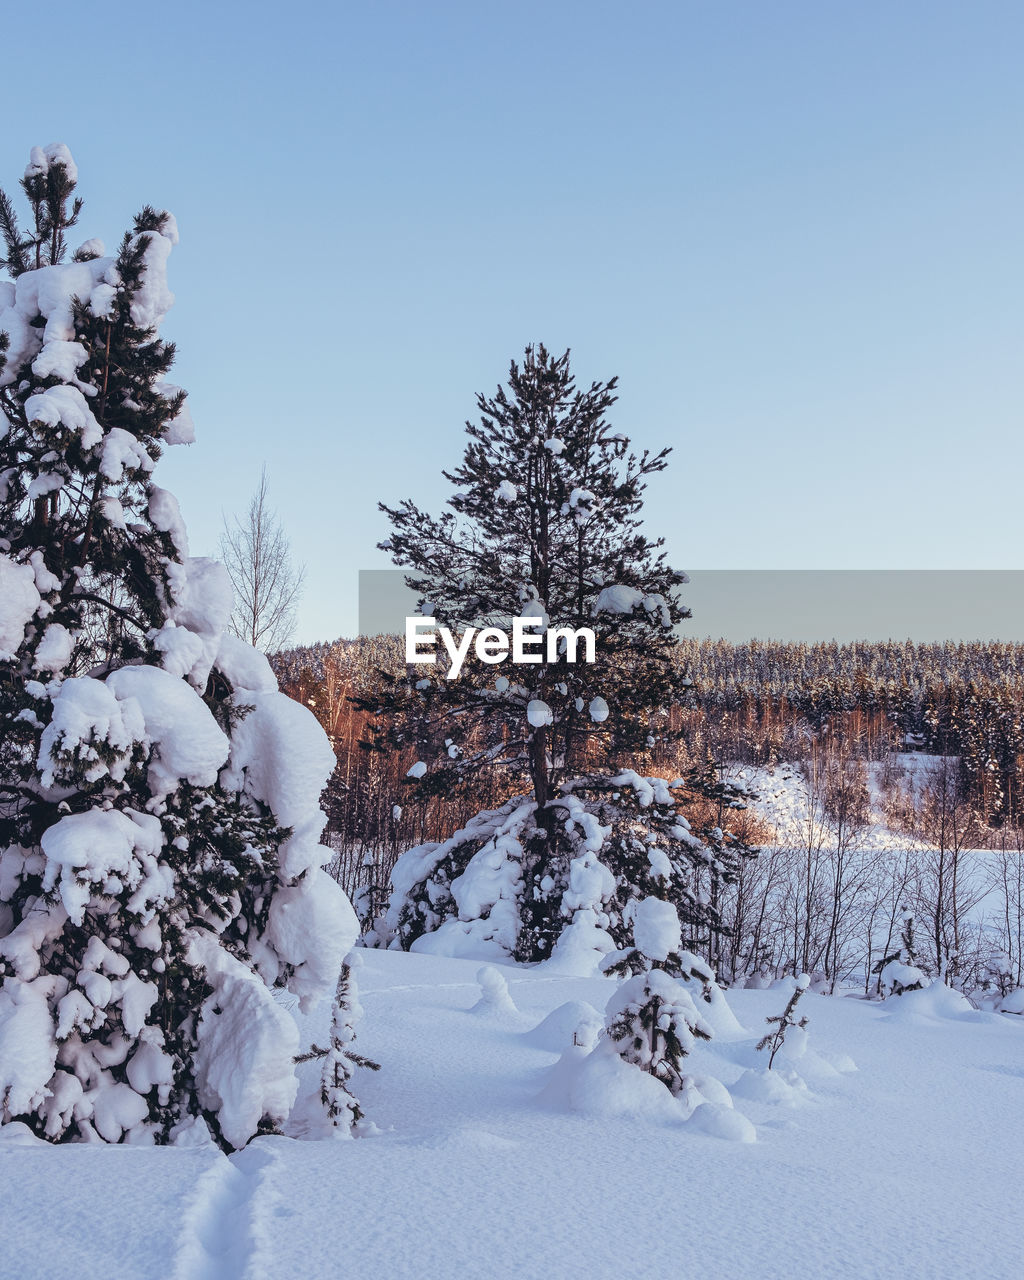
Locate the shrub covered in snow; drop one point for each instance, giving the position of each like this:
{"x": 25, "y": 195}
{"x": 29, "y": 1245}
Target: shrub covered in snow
{"x": 556, "y": 883}
{"x": 339, "y": 1059}
{"x": 160, "y": 866}
{"x": 652, "y": 1020}
{"x": 898, "y": 971}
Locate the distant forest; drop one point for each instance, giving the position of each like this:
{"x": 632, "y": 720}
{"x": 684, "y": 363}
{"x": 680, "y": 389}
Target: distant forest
{"x": 756, "y": 703}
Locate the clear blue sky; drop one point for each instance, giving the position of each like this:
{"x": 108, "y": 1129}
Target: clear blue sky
{"x": 792, "y": 229}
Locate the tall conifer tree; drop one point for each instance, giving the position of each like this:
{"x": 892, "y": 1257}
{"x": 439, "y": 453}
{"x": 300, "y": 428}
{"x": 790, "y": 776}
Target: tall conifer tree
{"x": 545, "y": 523}
{"x": 159, "y": 859}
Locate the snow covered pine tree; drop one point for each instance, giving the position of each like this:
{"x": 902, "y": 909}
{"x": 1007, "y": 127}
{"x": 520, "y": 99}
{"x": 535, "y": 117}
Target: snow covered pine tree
{"x": 545, "y": 525}
{"x": 651, "y": 1020}
{"x": 783, "y": 1022}
{"x": 898, "y": 972}
{"x": 160, "y": 869}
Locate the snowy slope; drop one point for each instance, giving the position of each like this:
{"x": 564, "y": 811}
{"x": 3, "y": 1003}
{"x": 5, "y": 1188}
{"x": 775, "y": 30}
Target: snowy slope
{"x": 905, "y": 1167}
{"x": 785, "y": 800}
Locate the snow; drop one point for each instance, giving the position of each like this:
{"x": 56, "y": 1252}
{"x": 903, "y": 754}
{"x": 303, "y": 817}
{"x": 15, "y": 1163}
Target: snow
{"x": 1013, "y": 1002}
{"x": 84, "y": 850}
{"x": 574, "y": 1023}
{"x": 180, "y": 430}
{"x": 28, "y": 1049}
{"x": 897, "y": 974}
{"x": 618, "y": 599}
{"x": 118, "y": 1108}
{"x": 417, "y": 770}
{"x": 538, "y": 713}
{"x": 154, "y": 299}
{"x": 19, "y": 601}
{"x": 188, "y": 743}
{"x": 204, "y": 600}
{"x": 494, "y": 994}
{"x": 656, "y": 929}
{"x": 42, "y": 159}
{"x": 65, "y": 406}
{"x": 60, "y": 360}
{"x": 461, "y": 1123}
{"x": 601, "y": 1087}
{"x": 243, "y": 666}
{"x": 934, "y": 1003}
{"x": 87, "y": 713}
{"x": 281, "y": 756}
{"x": 247, "y": 1045}
{"x": 506, "y": 492}
{"x": 123, "y": 452}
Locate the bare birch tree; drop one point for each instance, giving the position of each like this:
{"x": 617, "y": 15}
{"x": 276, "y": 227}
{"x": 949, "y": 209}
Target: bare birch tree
{"x": 267, "y": 583}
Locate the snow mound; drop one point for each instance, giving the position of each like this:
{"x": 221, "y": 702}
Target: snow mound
{"x": 776, "y": 1088}
{"x": 1013, "y": 1003}
{"x": 494, "y": 993}
{"x": 723, "y": 1122}
{"x": 933, "y": 1003}
{"x": 460, "y": 940}
{"x": 601, "y": 1085}
{"x": 574, "y": 1023}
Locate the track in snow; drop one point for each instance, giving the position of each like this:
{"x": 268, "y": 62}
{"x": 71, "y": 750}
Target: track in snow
{"x": 225, "y": 1233}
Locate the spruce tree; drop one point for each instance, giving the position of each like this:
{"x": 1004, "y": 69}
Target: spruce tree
{"x": 159, "y": 858}
{"x": 545, "y": 524}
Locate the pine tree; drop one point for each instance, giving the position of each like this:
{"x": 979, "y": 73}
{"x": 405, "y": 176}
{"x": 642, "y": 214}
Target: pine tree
{"x": 784, "y": 1021}
{"x": 652, "y": 1020}
{"x": 339, "y": 1059}
{"x": 545, "y": 524}
{"x": 159, "y": 858}
{"x": 898, "y": 972}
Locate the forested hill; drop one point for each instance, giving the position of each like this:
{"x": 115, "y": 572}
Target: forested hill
{"x": 917, "y": 684}
{"x": 924, "y": 688}
{"x": 761, "y": 701}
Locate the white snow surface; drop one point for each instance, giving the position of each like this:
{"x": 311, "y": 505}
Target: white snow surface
{"x": 474, "y": 1173}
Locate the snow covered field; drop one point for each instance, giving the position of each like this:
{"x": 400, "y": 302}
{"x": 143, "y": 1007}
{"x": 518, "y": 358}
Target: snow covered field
{"x": 908, "y": 1166}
